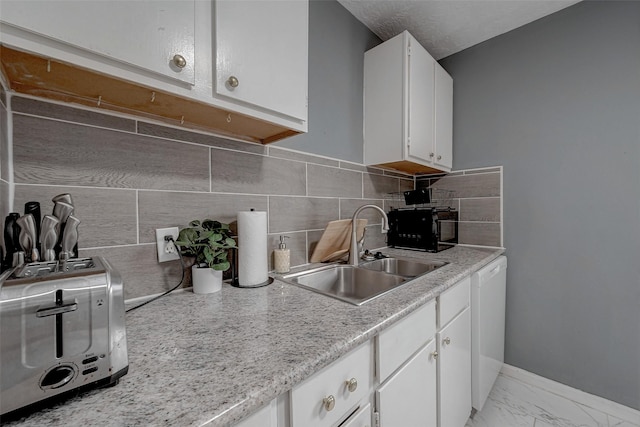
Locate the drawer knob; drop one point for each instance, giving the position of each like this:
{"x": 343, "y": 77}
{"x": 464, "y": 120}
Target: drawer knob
{"x": 352, "y": 385}
{"x": 179, "y": 61}
{"x": 233, "y": 81}
{"x": 434, "y": 354}
{"x": 431, "y": 154}
{"x": 446, "y": 341}
{"x": 329, "y": 403}
{"x": 439, "y": 157}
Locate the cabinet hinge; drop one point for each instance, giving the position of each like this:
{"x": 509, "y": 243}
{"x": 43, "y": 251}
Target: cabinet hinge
{"x": 376, "y": 419}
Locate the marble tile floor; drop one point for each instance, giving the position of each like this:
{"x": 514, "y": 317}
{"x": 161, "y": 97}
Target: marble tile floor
{"x": 513, "y": 403}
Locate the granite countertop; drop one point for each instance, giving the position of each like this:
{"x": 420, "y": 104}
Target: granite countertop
{"x": 198, "y": 359}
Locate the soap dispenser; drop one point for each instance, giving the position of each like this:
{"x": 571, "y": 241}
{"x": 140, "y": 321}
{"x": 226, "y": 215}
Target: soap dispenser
{"x": 282, "y": 257}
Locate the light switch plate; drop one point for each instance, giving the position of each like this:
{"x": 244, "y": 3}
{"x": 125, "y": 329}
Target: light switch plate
{"x": 167, "y": 250}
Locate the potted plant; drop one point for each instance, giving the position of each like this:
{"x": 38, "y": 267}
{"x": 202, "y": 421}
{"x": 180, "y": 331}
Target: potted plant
{"x": 209, "y": 242}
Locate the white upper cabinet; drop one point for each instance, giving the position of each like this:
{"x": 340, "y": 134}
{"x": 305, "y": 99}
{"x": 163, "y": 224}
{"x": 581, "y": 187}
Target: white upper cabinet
{"x": 262, "y": 53}
{"x": 408, "y": 108}
{"x": 155, "y": 35}
{"x": 188, "y": 62}
{"x": 443, "y": 143}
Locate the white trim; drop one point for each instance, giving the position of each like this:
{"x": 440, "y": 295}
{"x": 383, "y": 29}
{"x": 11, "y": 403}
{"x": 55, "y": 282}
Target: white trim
{"x": 592, "y": 401}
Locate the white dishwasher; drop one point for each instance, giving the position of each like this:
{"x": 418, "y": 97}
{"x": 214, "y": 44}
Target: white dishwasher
{"x": 488, "y": 295}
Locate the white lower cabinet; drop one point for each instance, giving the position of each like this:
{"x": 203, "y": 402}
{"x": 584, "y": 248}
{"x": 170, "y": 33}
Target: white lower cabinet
{"x": 453, "y": 342}
{"x": 422, "y": 375}
{"x": 406, "y": 367}
{"x": 408, "y": 398}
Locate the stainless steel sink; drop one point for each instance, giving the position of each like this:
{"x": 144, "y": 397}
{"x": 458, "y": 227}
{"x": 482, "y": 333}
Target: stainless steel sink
{"x": 357, "y": 285}
{"x": 403, "y": 267}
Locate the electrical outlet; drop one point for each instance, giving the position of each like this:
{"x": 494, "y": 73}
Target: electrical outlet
{"x": 167, "y": 251}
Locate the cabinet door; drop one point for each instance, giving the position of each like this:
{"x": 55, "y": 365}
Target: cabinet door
{"x": 262, "y": 53}
{"x": 408, "y": 398}
{"x": 454, "y": 373}
{"x": 421, "y": 103}
{"x": 443, "y": 118}
{"x": 143, "y": 33}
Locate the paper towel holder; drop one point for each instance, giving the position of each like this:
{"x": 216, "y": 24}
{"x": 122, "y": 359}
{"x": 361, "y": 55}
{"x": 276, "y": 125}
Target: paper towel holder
{"x": 234, "y": 273}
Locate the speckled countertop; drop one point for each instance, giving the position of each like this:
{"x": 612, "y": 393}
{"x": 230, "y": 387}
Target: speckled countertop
{"x": 198, "y": 359}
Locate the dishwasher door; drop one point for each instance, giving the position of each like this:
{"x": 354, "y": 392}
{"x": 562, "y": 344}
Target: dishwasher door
{"x": 488, "y": 296}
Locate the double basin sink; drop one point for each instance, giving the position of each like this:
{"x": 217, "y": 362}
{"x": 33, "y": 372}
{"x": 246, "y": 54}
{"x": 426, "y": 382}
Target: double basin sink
{"x": 357, "y": 285}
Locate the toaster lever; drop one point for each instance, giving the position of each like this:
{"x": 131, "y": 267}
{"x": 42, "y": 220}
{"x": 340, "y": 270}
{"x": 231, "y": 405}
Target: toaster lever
{"x": 58, "y": 309}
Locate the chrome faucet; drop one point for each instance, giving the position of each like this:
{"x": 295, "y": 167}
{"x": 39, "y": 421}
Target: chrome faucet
{"x": 354, "y": 254}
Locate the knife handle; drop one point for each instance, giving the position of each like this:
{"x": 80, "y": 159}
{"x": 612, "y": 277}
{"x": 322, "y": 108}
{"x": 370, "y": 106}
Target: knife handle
{"x": 27, "y": 237}
{"x": 70, "y": 236}
{"x": 49, "y": 237}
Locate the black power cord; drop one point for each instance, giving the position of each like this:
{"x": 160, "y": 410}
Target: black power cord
{"x": 168, "y": 239}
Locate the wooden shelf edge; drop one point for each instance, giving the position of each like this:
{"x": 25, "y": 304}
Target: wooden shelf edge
{"x": 52, "y": 79}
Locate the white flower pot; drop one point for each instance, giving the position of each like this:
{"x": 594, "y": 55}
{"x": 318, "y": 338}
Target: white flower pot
{"x": 205, "y": 280}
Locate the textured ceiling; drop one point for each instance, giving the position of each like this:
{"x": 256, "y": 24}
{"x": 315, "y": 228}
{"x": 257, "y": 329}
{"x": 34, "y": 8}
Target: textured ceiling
{"x": 445, "y": 27}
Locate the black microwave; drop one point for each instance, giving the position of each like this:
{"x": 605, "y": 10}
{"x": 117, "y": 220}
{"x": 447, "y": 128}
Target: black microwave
{"x": 425, "y": 229}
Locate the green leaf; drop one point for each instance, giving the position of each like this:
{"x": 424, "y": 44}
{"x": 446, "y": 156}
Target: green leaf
{"x": 223, "y": 266}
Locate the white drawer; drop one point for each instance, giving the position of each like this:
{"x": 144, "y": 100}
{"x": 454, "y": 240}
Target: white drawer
{"x": 453, "y": 301}
{"x": 399, "y": 342}
{"x": 307, "y": 399}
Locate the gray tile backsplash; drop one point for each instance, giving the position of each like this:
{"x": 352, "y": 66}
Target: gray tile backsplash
{"x": 301, "y": 213}
{"x": 62, "y": 112}
{"x": 238, "y": 172}
{"x": 4, "y": 144}
{"x": 198, "y": 138}
{"x": 129, "y": 177}
{"x": 477, "y": 195}
{"x": 108, "y": 216}
{"x": 159, "y": 209}
{"x": 326, "y": 181}
{"x": 53, "y": 152}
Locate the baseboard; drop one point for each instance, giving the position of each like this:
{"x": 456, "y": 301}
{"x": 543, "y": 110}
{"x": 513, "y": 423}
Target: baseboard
{"x": 596, "y": 402}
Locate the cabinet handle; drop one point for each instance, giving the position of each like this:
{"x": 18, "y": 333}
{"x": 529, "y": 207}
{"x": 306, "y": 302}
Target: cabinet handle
{"x": 233, "y": 81}
{"x": 431, "y": 154}
{"x": 329, "y": 403}
{"x": 179, "y": 61}
{"x": 434, "y": 354}
{"x": 439, "y": 157}
{"x": 446, "y": 341}
{"x": 352, "y": 385}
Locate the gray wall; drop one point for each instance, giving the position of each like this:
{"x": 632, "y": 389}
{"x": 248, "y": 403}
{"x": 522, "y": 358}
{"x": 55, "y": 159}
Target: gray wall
{"x": 557, "y": 103}
{"x": 337, "y": 42}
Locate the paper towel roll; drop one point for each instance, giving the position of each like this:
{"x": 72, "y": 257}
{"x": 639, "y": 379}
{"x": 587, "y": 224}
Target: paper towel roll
{"x": 253, "y": 265}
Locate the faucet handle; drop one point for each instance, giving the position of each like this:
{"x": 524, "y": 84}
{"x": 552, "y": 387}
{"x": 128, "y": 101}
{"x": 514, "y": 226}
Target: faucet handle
{"x": 368, "y": 256}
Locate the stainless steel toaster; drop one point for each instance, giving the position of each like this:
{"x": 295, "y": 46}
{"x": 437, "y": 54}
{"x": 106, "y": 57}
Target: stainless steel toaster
{"x": 62, "y": 329}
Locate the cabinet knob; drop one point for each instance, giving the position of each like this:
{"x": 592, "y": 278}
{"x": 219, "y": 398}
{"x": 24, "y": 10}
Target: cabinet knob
{"x": 431, "y": 154}
{"x": 329, "y": 403}
{"x": 446, "y": 341}
{"x": 352, "y": 385}
{"x": 439, "y": 157}
{"x": 434, "y": 354}
{"x": 179, "y": 61}
{"x": 233, "y": 81}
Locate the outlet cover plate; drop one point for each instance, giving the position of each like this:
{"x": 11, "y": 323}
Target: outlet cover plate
{"x": 163, "y": 255}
